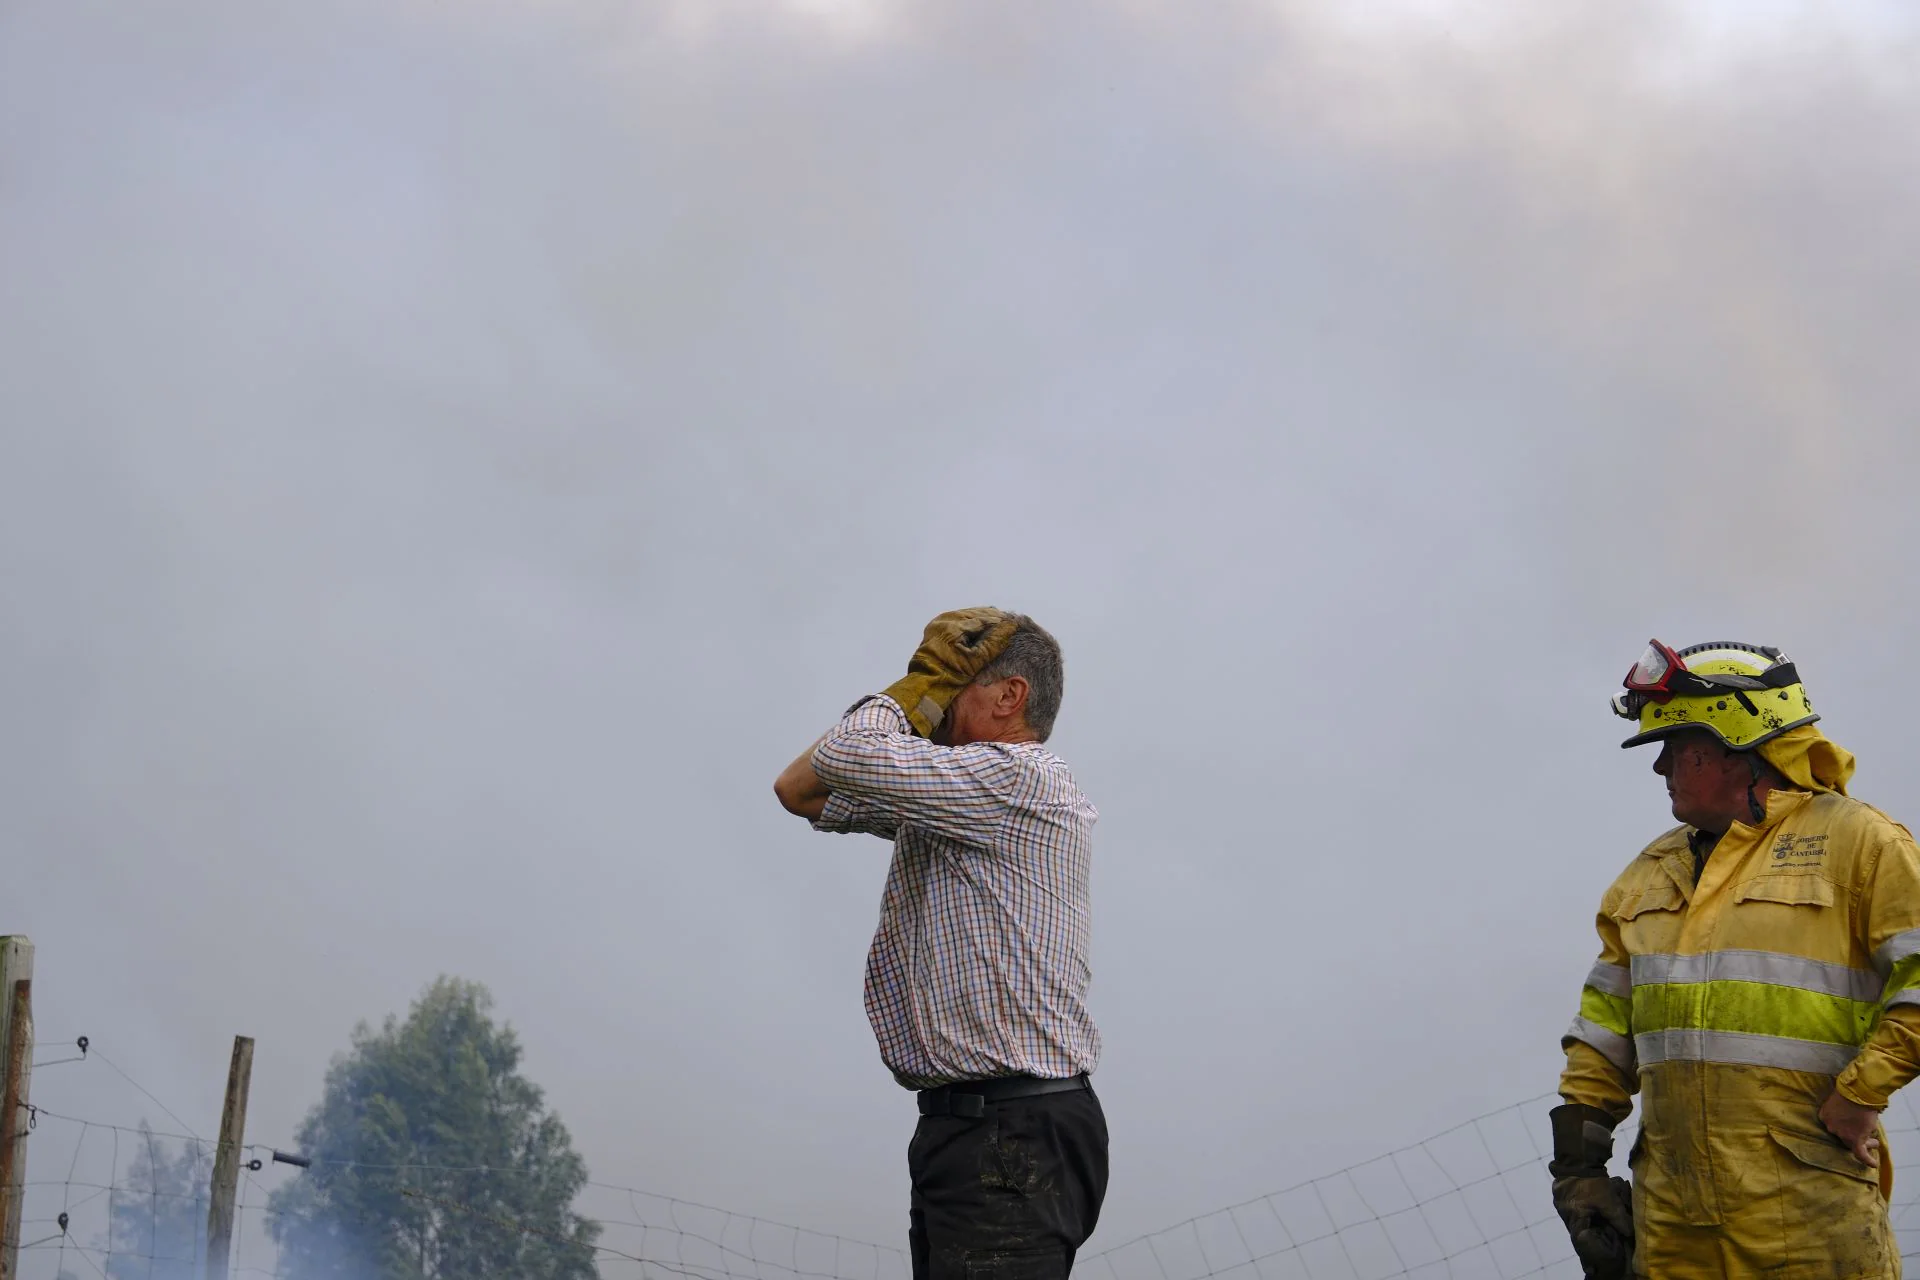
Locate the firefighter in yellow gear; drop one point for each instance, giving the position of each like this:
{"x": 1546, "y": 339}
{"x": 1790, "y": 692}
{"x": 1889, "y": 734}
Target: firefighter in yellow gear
{"x": 1758, "y": 985}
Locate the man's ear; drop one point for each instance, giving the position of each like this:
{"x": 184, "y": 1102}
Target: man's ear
{"x": 1011, "y": 700}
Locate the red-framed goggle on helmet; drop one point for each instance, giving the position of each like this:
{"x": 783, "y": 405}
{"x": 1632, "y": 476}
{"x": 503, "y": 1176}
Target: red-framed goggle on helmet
{"x": 1661, "y": 675}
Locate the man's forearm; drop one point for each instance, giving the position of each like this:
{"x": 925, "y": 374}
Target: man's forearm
{"x": 799, "y": 788}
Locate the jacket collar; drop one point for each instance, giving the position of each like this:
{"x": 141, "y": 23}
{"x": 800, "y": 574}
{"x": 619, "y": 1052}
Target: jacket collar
{"x": 1781, "y": 805}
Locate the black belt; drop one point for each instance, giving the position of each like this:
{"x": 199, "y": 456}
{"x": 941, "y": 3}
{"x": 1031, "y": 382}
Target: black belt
{"x": 968, "y": 1099}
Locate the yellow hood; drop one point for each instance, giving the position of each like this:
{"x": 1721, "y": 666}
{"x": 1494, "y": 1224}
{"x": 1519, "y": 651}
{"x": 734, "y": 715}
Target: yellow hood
{"x": 1809, "y": 759}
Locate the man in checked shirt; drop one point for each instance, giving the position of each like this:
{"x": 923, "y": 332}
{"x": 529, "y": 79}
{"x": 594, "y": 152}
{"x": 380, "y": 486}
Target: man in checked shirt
{"x": 977, "y": 979}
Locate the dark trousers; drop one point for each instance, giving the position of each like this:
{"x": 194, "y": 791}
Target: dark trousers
{"x": 1010, "y": 1195}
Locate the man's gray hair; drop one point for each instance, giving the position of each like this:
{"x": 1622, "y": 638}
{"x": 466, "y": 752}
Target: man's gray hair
{"x": 1033, "y": 655}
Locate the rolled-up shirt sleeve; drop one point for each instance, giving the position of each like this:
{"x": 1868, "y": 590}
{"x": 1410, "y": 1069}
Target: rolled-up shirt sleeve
{"x": 846, "y": 814}
{"x": 873, "y": 758}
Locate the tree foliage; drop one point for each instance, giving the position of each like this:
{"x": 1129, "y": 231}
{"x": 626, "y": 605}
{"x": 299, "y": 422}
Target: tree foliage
{"x": 434, "y": 1157}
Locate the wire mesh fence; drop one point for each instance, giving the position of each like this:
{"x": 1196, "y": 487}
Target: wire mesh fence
{"x": 644, "y": 1234}
{"x": 111, "y": 1201}
{"x": 122, "y": 1203}
{"x": 1472, "y": 1203}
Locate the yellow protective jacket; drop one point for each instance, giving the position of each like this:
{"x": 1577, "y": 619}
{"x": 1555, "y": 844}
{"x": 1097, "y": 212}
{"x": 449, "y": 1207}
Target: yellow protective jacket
{"x": 1734, "y": 1006}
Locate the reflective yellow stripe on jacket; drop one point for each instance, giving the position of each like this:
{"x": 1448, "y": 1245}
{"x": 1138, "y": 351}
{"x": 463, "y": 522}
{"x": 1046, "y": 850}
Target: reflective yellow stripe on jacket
{"x": 1899, "y": 959}
{"x": 1751, "y": 1008}
{"x": 1605, "y": 1019}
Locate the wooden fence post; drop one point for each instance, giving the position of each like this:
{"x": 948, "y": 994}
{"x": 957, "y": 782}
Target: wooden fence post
{"x": 226, "y": 1159}
{"x": 16, "y": 1068}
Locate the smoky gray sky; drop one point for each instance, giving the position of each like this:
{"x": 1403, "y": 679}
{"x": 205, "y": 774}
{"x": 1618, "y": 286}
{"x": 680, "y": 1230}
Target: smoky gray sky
{"x": 452, "y": 456}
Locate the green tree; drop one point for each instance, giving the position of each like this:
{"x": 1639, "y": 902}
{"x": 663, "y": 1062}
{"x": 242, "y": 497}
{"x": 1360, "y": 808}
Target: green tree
{"x": 434, "y": 1157}
{"x": 157, "y": 1222}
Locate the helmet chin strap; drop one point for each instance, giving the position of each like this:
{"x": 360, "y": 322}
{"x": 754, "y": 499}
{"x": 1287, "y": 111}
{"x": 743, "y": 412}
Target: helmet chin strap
{"x": 1754, "y": 806}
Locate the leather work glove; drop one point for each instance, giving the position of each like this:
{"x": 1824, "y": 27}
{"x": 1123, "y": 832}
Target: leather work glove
{"x": 957, "y": 646}
{"x": 1597, "y": 1209}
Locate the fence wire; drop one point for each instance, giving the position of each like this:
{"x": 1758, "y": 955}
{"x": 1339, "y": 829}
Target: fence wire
{"x": 107, "y": 1202}
{"x": 1472, "y": 1203}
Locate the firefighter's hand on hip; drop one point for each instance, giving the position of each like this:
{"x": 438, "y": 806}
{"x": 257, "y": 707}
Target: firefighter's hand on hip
{"x": 1856, "y": 1126}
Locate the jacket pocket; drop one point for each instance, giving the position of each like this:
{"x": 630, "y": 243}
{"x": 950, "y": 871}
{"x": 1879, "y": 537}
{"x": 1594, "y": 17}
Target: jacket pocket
{"x": 1825, "y": 1154}
{"x": 1662, "y": 895}
{"x": 1833, "y": 1210}
{"x": 1789, "y": 890}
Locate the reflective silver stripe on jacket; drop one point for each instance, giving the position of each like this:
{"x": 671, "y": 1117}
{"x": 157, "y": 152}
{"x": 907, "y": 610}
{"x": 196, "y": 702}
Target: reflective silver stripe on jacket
{"x": 1910, "y": 995}
{"x": 1742, "y": 1049}
{"x": 1896, "y": 949}
{"x": 1769, "y": 967}
{"x": 1611, "y": 978}
{"x": 1613, "y": 1046}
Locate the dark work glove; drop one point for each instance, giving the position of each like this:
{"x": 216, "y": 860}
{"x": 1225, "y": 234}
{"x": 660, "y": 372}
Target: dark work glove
{"x": 1597, "y": 1209}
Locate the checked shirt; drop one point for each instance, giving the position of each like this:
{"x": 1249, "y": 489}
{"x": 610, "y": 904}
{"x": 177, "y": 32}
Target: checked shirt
{"x": 979, "y": 966}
